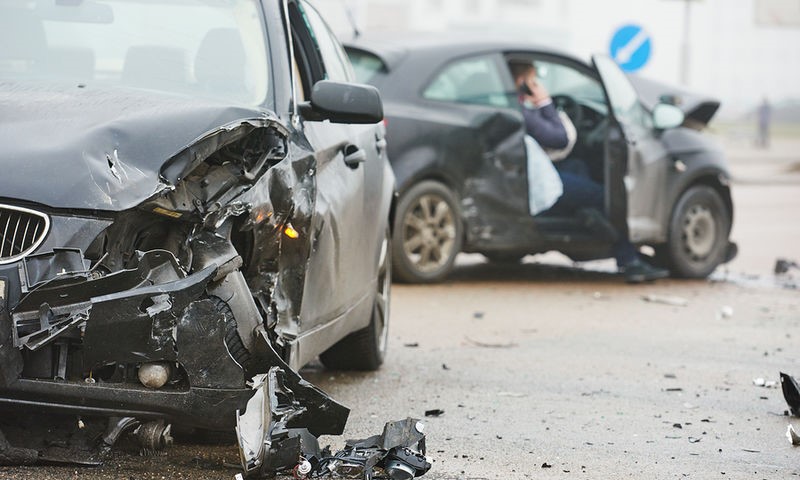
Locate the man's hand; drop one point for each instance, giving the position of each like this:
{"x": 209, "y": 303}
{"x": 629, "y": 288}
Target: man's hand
{"x": 540, "y": 95}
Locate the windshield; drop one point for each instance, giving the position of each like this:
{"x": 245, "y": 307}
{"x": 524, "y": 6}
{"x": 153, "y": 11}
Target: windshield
{"x": 210, "y": 48}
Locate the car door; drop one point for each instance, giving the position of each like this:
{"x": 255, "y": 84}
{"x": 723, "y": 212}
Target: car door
{"x": 336, "y": 277}
{"x": 486, "y": 146}
{"x": 636, "y": 162}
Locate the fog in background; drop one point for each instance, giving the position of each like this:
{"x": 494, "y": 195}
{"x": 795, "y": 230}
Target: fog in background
{"x": 741, "y": 51}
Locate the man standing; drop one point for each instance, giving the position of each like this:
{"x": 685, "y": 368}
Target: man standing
{"x": 764, "y": 117}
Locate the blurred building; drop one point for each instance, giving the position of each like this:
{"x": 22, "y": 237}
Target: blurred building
{"x": 740, "y": 50}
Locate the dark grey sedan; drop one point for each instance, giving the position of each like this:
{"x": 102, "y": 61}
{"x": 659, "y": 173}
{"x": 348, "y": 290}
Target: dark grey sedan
{"x": 456, "y": 143}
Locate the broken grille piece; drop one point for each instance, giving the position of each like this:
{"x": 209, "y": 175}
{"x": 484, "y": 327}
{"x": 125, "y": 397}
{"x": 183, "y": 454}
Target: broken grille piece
{"x": 21, "y": 232}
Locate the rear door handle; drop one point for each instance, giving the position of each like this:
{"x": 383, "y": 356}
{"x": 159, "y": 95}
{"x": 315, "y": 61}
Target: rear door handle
{"x": 354, "y": 156}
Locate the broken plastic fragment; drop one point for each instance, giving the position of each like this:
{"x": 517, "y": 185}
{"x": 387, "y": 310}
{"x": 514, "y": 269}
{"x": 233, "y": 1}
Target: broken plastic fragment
{"x": 666, "y": 300}
{"x": 791, "y": 392}
{"x": 792, "y": 435}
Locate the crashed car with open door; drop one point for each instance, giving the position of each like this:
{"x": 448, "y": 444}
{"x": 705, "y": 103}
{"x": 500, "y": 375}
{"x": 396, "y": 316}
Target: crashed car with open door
{"x": 456, "y": 144}
{"x": 193, "y": 195}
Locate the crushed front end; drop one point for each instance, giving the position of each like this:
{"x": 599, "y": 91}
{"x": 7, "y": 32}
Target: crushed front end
{"x": 164, "y": 311}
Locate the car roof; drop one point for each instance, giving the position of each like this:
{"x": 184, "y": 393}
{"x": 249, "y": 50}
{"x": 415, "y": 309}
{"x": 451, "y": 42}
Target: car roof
{"x": 393, "y": 48}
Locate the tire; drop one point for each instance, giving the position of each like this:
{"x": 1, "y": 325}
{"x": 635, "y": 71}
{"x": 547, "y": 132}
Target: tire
{"x": 232, "y": 339}
{"x": 365, "y": 349}
{"x": 698, "y": 233}
{"x": 427, "y": 233}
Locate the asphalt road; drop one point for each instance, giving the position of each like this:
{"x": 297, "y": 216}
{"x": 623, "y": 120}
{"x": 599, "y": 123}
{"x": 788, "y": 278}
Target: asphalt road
{"x": 551, "y": 370}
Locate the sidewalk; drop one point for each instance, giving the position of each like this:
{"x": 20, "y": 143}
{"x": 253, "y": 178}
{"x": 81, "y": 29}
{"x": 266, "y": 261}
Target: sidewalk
{"x": 778, "y": 164}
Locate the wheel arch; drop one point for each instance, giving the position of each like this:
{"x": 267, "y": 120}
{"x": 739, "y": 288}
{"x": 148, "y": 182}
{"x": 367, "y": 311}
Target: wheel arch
{"x": 715, "y": 178}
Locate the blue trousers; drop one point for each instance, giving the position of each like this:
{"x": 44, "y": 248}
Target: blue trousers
{"x": 581, "y": 192}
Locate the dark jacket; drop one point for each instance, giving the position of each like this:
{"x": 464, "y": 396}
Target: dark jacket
{"x": 544, "y": 125}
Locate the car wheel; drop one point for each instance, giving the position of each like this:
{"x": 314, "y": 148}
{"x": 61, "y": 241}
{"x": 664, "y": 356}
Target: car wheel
{"x": 427, "y": 233}
{"x": 698, "y": 233}
{"x": 366, "y": 348}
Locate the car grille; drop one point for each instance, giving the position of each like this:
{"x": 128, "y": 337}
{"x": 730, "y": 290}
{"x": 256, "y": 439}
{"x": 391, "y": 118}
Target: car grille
{"x": 21, "y": 232}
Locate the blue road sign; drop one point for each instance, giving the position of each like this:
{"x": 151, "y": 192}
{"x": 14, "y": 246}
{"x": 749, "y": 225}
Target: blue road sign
{"x": 631, "y": 47}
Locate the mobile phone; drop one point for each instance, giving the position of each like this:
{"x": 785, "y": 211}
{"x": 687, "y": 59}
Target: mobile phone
{"x": 524, "y": 89}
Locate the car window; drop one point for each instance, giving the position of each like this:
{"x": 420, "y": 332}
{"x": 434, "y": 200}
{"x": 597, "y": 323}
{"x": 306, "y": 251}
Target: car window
{"x": 473, "y": 80}
{"x": 560, "y": 79}
{"x": 337, "y": 66}
{"x": 209, "y": 48}
{"x": 621, "y": 94}
{"x": 366, "y": 66}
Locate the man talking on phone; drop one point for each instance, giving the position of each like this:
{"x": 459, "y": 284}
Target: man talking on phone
{"x": 581, "y": 194}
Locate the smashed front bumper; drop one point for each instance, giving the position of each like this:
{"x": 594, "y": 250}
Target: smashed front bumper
{"x": 77, "y": 343}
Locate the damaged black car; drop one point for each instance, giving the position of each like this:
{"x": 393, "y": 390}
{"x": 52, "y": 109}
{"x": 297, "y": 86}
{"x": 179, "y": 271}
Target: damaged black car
{"x": 194, "y": 203}
{"x": 456, "y": 143}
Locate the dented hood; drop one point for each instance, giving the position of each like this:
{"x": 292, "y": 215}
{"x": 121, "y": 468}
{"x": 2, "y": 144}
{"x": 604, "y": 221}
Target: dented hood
{"x": 98, "y": 149}
{"x": 699, "y": 109}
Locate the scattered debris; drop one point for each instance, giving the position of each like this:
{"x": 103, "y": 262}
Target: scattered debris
{"x": 666, "y": 300}
{"x": 783, "y": 265}
{"x": 725, "y": 312}
{"x": 445, "y": 367}
{"x": 411, "y": 345}
{"x": 512, "y": 394}
{"x": 791, "y": 392}
{"x": 670, "y": 375}
{"x": 677, "y": 425}
{"x": 490, "y": 345}
{"x": 760, "y": 382}
{"x": 478, "y": 315}
{"x": 436, "y": 412}
{"x": 694, "y": 440}
{"x": 793, "y": 437}
{"x": 600, "y": 296}
{"x": 546, "y": 465}
{"x": 673, "y": 389}
{"x": 750, "y": 450}
{"x": 269, "y": 443}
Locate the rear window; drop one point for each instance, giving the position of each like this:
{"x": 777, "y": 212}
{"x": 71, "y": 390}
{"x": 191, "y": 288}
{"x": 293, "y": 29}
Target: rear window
{"x": 366, "y": 65}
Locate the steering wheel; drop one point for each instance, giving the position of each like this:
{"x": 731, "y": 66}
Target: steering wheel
{"x": 568, "y": 105}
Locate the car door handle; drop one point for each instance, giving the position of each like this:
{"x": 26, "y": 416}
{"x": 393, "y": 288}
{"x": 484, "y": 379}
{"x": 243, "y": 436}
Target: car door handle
{"x": 380, "y": 144}
{"x": 354, "y": 156}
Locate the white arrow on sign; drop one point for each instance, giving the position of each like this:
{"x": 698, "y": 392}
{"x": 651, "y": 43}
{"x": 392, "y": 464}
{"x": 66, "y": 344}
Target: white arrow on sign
{"x": 625, "y": 53}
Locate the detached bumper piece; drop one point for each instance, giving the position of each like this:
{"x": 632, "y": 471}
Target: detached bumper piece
{"x": 268, "y": 444}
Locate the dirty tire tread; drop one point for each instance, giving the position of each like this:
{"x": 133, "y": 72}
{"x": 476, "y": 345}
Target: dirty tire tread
{"x": 232, "y": 339}
{"x": 361, "y": 350}
{"x": 356, "y": 351}
{"x": 402, "y": 270}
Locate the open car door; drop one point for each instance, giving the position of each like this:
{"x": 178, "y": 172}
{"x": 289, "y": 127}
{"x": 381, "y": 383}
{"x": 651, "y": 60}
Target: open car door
{"x": 636, "y": 166}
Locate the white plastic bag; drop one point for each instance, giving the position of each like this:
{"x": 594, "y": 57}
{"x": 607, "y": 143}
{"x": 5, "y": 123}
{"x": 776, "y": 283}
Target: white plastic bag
{"x": 544, "y": 184}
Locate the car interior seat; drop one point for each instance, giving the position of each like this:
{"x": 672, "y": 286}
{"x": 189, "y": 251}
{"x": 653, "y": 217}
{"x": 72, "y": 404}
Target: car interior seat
{"x": 219, "y": 66}
{"x": 156, "y": 67}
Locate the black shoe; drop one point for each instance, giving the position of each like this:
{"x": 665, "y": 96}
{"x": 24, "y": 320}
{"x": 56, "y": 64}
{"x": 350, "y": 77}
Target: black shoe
{"x": 638, "y": 271}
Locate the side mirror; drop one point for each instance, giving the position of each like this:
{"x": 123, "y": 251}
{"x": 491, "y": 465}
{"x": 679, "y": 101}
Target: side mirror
{"x": 667, "y": 116}
{"x": 343, "y": 103}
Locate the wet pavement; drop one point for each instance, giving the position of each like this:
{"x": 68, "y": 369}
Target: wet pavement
{"x": 551, "y": 370}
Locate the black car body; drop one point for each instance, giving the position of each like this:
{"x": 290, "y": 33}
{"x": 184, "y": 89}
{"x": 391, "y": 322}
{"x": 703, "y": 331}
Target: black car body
{"x": 456, "y": 132}
{"x": 177, "y": 218}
